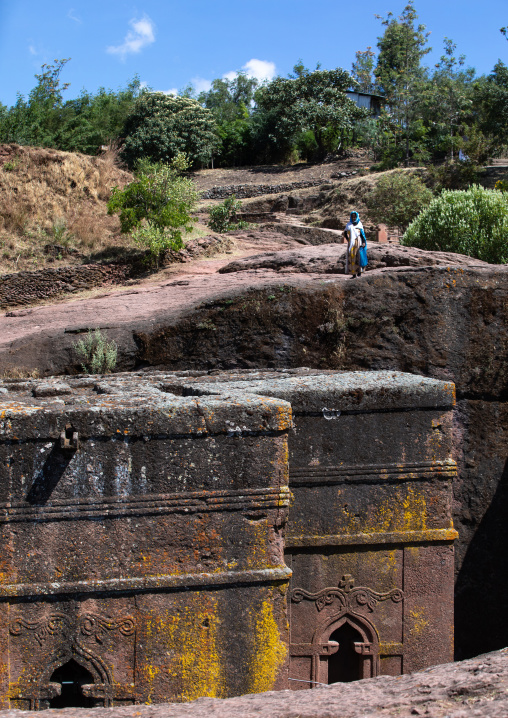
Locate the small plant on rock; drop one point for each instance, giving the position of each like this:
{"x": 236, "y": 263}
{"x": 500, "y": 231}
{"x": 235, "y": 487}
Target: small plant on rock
{"x": 97, "y": 354}
{"x": 223, "y": 216}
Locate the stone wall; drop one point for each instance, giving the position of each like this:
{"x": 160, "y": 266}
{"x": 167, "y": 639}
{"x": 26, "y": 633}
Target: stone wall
{"x": 243, "y": 191}
{"x": 142, "y": 543}
{"x": 22, "y": 288}
{"x": 142, "y": 530}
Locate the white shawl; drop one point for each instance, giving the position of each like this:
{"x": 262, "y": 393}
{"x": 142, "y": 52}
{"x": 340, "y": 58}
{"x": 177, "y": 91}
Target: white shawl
{"x": 354, "y": 241}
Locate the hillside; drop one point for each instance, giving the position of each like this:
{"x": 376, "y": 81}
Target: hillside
{"x": 48, "y": 197}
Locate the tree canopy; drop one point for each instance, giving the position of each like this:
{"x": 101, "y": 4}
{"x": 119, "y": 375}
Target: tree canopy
{"x": 308, "y": 102}
{"x": 161, "y": 126}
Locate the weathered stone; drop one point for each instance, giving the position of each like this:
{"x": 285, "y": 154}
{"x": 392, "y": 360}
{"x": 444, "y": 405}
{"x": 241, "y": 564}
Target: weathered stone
{"x": 445, "y": 321}
{"x": 141, "y": 543}
{"x": 477, "y": 688}
{"x": 371, "y": 506}
{"x": 142, "y": 533}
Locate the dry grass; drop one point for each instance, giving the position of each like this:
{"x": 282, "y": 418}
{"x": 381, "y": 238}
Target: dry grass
{"x": 53, "y": 197}
{"x": 19, "y": 372}
{"x": 351, "y": 195}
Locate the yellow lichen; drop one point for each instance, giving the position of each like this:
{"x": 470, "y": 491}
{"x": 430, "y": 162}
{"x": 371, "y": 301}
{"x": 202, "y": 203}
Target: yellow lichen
{"x": 418, "y": 623}
{"x": 187, "y": 646}
{"x": 269, "y": 651}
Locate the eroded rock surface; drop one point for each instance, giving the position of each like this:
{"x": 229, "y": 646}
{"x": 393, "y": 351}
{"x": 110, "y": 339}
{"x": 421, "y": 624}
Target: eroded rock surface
{"x": 447, "y": 322}
{"x": 474, "y": 688}
{"x": 330, "y": 259}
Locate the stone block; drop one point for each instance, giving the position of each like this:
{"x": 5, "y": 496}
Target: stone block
{"x": 142, "y": 544}
{"x": 145, "y": 554}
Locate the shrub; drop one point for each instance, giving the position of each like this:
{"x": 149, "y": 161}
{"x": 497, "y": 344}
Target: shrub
{"x": 98, "y": 356}
{"x": 453, "y": 175}
{"x": 162, "y": 126}
{"x": 397, "y": 199}
{"x": 472, "y": 222}
{"x": 223, "y": 215}
{"x": 162, "y": 199}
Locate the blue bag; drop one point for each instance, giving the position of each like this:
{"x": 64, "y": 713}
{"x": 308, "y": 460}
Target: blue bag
{"x": 362, "y": 256}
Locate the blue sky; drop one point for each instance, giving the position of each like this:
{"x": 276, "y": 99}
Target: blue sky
{"x": 169, "y": 44}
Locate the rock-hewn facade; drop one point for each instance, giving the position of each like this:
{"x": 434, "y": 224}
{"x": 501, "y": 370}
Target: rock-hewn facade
{"x": 143, "y": 531}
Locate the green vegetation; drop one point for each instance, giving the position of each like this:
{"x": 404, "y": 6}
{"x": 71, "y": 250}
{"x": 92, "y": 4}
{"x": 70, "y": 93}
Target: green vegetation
{"x": 160, "y": 127}
{"x": 312, "y": 103}
{"x": 80, "y": 125}
{"x": 97, "y": 354}
{"x": 223, "y": 216}
{"x": 397, "y": 199}
{"x": 156, "y": 207}
{"x": 472, "y": 222}
{"x": 428, "y": 114}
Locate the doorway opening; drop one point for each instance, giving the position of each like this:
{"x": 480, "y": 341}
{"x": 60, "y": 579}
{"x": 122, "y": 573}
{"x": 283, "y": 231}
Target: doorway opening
{"x": 72, "y": 677}
{"x": 346, "y": 665}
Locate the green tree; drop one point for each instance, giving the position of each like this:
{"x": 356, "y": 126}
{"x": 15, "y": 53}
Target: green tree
{"x": 230, "y": 102}
{"x": 35, "y": 121}
{"x": 79, "y": 125}
{"x": 308, "y": 101}
{"x": 472, "y": 222}
{"x": 93, "y": 120}
{"x": 162, "y": 126}
{"x": 363, "y": 70}
{"x": 490, "y": 103}
{"x": 397, "y": 199}
{"x": 446, "y": 101}
{"x": 399, "y": 74}
{"x": 156, "y": 207}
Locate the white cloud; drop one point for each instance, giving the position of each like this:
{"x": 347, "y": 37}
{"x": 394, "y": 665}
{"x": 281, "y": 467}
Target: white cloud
{"x": 72, "y": 16}
{"x": 200, "y": 84}
{"x": 141, "y": 35}
{"x": 260, "y": 69}
{"x": 173, "y": 91}
{"x": 32, "y": 50}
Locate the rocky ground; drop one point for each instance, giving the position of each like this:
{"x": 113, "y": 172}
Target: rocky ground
{"x": 42, "y": 337}
{"x": 474, "y": 688}
{"x": 278, "y": 174}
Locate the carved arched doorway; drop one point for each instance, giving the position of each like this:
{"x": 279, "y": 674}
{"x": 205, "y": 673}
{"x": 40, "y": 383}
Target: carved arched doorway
{"x": 350, "y": 650}
{"x": 71, "y": 677}
{"x": 75, "y": 678}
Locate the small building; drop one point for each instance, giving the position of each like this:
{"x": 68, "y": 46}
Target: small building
{"x": 367, "y": 100}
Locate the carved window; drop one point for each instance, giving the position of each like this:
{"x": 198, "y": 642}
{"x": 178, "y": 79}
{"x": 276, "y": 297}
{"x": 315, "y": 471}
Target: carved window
{"x": 69, "y": 680}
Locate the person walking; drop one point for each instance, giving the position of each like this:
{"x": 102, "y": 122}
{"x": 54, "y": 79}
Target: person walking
{"x": 356, "y": 253}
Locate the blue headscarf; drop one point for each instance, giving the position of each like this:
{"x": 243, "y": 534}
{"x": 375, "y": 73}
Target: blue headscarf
{"x": 354, "y": 217}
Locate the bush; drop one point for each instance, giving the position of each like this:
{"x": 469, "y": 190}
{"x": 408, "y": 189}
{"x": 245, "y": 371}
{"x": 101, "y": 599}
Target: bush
{"x": 162, "y": 126}
{"x": 98, "y": 356}
{"x": 453, "y": 175}
{"x": 223, "y": 215}
{"x": 160, "y": 198}
{"x": 397, "y": 199}
{"x": 472, "y": 222}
